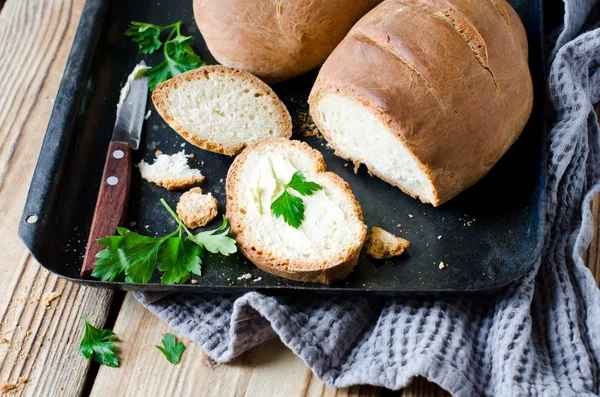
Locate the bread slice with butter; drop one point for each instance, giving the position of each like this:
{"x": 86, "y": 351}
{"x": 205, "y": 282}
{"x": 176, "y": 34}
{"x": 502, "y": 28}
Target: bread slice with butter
{"x": 221, "y": 109}
{"x": 326, "y": 245}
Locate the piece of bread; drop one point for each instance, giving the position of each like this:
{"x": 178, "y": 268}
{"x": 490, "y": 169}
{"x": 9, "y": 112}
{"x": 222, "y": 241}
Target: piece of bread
{"x": 427, "y": 94}
{"x": 383, "y": 244}
{"x": 326, "y": 245}
{"x": 170, "y": 171}
{"x": 222, "y": 109}
{"x": 274, "y": 39}
{"x": 196, "y": 209}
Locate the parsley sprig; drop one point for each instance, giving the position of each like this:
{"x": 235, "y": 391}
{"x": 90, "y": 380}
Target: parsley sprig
{"x": 133, "y": 257}
{"x": 171, "y": 348}
{"x": 292, "y": 207}
{"x": 177, "y": 50}
{"x": 98, "y": 344}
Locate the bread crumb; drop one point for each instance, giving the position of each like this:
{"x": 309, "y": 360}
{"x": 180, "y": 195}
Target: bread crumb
{"x": 148, "y": 114}
{"x": 410, "y": 215}
{"x": 170, "y": 171}
{"x": 439, "y": 237}
{"x": 48, "y": 298}
{"x": 383, "y": 244}
{"x": 158, "y": 153}
{"x": 246, "y": 276}
{"x": 257, "y": 279}
{"x": 398, "y": 225}
{"x": 192, "y": 155}
{"x": 22, "y": 380}
{"x": 6, "y": 387}
{"x": 442, "y": 265}
{"x": 196, "y": 209}
{"x": 132, "y": 223}
{"x": 356, "y": 166}
{"x": 194, "y": 281}
{"x": 305, "y": 124}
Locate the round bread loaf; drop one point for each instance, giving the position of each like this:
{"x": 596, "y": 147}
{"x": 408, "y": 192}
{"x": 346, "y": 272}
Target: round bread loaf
{"x": 428, "y": 94}
{"x": 275, "y": 39}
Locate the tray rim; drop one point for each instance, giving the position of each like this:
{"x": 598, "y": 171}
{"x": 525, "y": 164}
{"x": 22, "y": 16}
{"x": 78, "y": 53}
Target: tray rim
{"x": 61, "y": 122}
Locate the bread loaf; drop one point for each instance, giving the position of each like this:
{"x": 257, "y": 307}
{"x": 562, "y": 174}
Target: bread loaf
{"x": 326, "y": 245}
{"x": 428, "y": 94}
{"x": 222, "y": 109}
{"x": 275, "y": 39}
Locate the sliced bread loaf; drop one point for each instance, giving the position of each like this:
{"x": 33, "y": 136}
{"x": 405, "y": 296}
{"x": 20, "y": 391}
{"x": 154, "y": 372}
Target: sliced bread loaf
{"x": 222, "y": 109}
{"x": 326, "y": 245}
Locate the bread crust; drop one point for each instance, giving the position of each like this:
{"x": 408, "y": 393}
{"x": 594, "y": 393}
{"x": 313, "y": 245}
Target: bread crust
{"x": 457, "y": 97}
{"x": 161, "y": 93}
{"x": 195, "y": 219}
{"x": 327, "y": 273}
{"x": 276, "y": 40}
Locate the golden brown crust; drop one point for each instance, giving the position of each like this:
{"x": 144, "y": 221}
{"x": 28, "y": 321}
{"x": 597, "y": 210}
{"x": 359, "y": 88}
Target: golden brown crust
{"x": 179, "y": 184}
{"x": 276, "y": 40}
{"x": 327, "y": 272}
{"x": 161, "y": 93}
{"x": 457, "y": 97}
{"x": 196, "y": 217}
{"x": 383, "y": 244}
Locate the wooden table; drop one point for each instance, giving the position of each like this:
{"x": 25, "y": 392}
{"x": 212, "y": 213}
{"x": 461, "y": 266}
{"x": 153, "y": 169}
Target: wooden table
{"x": 39, "y": 342}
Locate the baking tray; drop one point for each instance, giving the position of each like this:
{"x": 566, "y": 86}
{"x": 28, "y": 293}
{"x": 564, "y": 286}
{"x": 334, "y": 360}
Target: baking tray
{"x": 490, "y": 235}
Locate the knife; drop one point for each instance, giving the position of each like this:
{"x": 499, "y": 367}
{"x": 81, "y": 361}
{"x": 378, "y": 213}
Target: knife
{"x": 113, "y": 196}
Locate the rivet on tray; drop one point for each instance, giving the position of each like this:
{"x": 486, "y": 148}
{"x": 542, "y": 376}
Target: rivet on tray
{"x": 112, "y": 180}
{"x": 118, "y": 154}
{"x": 31, "y": 219}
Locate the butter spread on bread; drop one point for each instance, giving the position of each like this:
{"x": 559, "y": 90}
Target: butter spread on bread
{"x": 326, "y": 245}
{"x": 429, "y": 95}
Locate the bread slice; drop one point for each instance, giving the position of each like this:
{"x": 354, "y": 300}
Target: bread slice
{"x": 383, "y": 244}
{"x": 196, "y": 209}
{"x": 171, "y": 171}
{"x": 326, "y": 245}
{"x": 222, "y": 109}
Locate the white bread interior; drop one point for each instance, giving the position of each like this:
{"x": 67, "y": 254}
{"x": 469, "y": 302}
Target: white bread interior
{"x": 357, "y": 135}
{"x": 222, "y": 109}
{"x": 326, "y": 245}
{"x": 171, "y": 171}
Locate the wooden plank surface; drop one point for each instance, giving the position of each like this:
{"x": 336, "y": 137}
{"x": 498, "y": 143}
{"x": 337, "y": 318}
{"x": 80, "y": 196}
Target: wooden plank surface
{"x": 38, "y": 343}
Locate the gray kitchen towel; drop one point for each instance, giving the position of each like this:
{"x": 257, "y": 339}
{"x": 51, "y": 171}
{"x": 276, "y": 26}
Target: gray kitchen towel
{"x": 539, "y": 337}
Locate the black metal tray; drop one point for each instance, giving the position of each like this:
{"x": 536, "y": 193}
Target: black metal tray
{"x": 489, "y": 236}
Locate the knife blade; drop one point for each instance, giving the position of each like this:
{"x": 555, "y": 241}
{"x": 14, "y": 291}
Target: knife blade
{"x": 113, "y": 196}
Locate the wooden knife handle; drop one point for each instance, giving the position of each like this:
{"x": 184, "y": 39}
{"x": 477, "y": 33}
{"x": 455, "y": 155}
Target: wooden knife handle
{"x": 111, "y": 205}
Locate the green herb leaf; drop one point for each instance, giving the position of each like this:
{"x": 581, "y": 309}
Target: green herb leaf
{"x": 171, "y": 348}
{"x": 299, "y": 184}
{"x": 146, "y": 35}
{"x": 179, "y": 55}
{"x": 290, "y": 207}
{"x": 216, "y": 241}
{"x": 129, "y": 254}
{"x": 133, "y": 257}
{"x": 179, "y": 258}
{"x": 98, "y": 345}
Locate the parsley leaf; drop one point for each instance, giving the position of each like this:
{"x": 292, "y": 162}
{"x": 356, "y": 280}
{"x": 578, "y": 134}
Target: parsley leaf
{"x": 98, "y": 345}
{"x": 178, "y": 259}
{"x": 146, "y": 35}
{"x": 291, "y": 207}
{"x": 133, "y": 257}
{"x": 216, "y": 242}
{"x": 172, "y": 349}
{"x": 179, "y": 55}
{"x": 299, "y": 184}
